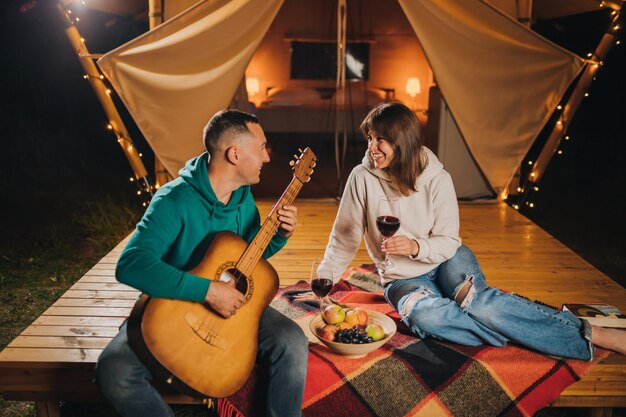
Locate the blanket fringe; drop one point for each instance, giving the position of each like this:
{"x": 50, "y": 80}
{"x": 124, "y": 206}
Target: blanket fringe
{"x": 226, "y": 409}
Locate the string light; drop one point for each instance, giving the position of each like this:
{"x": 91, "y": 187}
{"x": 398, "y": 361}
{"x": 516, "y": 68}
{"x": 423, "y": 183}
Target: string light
{"x": 525, "y": 189}
{"x": 110, "y": 126}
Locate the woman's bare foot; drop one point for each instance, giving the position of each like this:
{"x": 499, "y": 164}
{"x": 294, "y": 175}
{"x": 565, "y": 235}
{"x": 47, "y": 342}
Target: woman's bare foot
{"x": 612, "y": 339}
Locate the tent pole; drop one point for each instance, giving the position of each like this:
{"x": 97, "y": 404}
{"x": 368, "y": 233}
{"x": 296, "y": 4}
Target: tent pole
{"x": 340, "y": 87}
{"x": 155, "y": 16}
{"x": 574, "y": 101}
{"x": 96, "y": 80}
{"x": 524, "y": 11}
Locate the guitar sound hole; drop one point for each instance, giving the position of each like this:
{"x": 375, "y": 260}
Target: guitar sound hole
{"x": 241, "y": 282}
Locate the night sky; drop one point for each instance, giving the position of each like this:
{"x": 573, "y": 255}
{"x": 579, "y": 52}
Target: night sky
{"x": 55, "y": 142}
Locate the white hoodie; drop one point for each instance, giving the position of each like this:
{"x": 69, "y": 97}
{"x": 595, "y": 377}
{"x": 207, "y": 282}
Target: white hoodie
{"x": 429, "y": 215}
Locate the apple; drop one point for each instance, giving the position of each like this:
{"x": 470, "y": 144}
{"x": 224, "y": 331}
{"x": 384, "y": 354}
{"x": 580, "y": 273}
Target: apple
{"x": 328, "y": 332}
{"x": 356, "y": 317}
{"x": 375, "y": 331}
{"x": 344, "y": 326}
{"x": 333, "y": 314}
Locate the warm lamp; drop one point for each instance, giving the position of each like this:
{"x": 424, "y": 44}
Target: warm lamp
{"x": 413, "y": 86}
{"x": 252, "y": 85}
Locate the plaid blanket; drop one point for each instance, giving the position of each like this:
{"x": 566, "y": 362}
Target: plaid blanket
{"x": 409, "y": 376}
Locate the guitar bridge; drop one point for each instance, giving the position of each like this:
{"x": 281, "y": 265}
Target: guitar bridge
{"x": 205, "y": 330}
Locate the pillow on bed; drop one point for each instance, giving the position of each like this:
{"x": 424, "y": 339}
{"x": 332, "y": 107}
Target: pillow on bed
{"x": 291, "y": 96}
{"x": 368, "y": 97}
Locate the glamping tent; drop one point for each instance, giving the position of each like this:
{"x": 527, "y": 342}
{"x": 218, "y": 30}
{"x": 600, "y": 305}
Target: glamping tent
{"x": 487, "y": 82}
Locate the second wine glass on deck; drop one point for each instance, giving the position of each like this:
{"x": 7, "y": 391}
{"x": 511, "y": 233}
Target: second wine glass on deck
{"x": 321, "y": 280}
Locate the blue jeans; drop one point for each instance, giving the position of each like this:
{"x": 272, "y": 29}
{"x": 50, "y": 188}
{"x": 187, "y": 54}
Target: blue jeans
{"x": 489, "y": 315}
{"x": 283, "y": 349}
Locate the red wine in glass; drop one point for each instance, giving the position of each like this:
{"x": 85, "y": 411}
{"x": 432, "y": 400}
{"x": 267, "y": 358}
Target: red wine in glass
{"x": 321, "y": 286}
{"x": 321, "y": 280}
{"x": 387, "y": 225}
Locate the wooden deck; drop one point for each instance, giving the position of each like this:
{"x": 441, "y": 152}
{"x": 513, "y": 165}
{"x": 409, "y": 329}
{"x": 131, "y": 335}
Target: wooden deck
{"x": 53, "y": 359}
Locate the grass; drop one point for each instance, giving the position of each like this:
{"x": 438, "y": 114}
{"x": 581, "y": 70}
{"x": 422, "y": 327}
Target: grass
{"x": 40, "y": 260}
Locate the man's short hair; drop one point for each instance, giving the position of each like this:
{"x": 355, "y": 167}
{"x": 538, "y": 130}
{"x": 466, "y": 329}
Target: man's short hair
{"x": 224, "y": 121}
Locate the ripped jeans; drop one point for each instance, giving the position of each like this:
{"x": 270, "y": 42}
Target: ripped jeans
{"x": 487, "y": 315}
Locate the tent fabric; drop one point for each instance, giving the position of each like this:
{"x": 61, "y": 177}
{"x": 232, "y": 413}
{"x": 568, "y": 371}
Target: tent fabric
{"x": 500, "y": 80}
{"x": 174, "y": 77}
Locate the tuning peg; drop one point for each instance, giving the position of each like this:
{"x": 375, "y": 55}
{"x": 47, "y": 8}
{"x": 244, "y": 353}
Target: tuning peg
{"x": 292, "y": 163}
{"x": 296, "y": 156}
{"x": 308, "y": 179}
{"x": 313, "y": 164}
{"x": 300, "y": 150}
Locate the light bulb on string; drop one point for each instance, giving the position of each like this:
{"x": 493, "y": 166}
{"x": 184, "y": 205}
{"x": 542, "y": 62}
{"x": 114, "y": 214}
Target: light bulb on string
{"x": 532, "y": 205}
{"x": 559, "y": 107}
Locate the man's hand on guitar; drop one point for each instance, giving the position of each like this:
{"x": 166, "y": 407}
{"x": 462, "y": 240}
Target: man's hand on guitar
{"x": 288, "y": 216}
{"x": 224, "y": 298}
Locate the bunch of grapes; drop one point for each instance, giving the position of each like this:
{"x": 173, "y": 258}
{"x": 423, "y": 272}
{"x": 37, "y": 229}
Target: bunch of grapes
{"x": 356, "y": 335}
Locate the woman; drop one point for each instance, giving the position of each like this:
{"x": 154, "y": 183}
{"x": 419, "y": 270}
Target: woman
{"x": 436, "y": 283}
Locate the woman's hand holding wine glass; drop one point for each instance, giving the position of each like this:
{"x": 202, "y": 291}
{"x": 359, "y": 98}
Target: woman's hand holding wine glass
{"x": 388, "y": 223}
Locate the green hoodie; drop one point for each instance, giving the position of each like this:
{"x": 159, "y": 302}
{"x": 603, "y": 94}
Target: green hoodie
{"x": 177, "y": 229}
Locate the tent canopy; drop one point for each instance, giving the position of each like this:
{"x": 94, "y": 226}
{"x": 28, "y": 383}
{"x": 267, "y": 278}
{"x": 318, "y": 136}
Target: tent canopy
{"x": 500, "y": 80}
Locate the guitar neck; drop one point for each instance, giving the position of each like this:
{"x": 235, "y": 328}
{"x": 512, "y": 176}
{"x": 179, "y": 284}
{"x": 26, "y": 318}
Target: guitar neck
{"x": 255, "y": 249}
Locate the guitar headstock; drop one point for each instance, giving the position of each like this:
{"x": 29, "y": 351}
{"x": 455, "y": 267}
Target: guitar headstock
{"x": 303, "y": 165}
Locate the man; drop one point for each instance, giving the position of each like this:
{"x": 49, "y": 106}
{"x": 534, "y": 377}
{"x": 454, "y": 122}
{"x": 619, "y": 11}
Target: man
{"x": 212, "y": 194}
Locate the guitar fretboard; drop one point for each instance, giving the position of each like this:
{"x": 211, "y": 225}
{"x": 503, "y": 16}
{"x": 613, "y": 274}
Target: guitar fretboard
{"x": 255, "y": 249}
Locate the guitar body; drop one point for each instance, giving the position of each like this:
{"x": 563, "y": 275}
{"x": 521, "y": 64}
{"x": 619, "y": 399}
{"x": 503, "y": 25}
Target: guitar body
{"x": 191, "y": 346}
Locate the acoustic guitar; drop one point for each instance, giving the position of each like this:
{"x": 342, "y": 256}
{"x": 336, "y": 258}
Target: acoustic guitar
{"x": 195, "y": 349}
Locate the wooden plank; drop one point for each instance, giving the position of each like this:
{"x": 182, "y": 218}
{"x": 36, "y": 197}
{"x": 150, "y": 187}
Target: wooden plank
{"x": 32, "y": 357}
{"x": 96, "y": 286}
{"x": 99, "y": 278}
{"x": 79, "y": 321}
{"x": 93, "y": 331}
{"x": 104, "y": 294}
{"x": 93, "y": 302}
{"x": 87, "y": 311}
{"x": 61, "y": 342}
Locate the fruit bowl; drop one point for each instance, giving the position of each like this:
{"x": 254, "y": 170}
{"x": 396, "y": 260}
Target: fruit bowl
{"x": 356, "y": 350}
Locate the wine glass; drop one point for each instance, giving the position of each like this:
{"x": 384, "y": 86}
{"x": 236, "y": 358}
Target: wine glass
{"x": 388, "y": 223}
{"x": 321, "y": 280}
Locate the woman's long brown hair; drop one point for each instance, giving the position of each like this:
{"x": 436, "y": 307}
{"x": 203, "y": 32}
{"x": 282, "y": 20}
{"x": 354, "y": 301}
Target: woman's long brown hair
{"x": 396, "y": 123}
